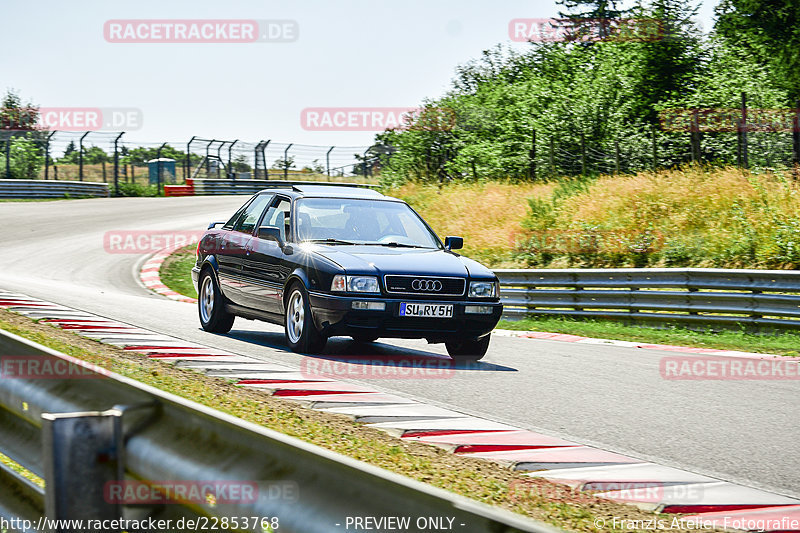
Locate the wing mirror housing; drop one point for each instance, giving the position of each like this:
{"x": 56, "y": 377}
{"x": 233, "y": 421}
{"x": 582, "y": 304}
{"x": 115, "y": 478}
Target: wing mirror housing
{"x": 269, "y": 233}
{"x": 453, "y": 243}
{"x": 211, "y": 226}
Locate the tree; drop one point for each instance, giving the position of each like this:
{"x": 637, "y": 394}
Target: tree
{"x": 25, "y": 158}
{"x": 14, "y": 115}
{"x": 240, "y": 164}
{"x": 281, "y": 164}
{"x": 590, "y": 17}
{"x": 770, "y": 29}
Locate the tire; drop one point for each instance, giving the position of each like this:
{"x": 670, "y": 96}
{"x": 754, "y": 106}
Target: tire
{"x": 301, "y": 333}
{"x": 365, "y": 338}
{"x": 468, "y": 350}
{"x": 211, "y": 305}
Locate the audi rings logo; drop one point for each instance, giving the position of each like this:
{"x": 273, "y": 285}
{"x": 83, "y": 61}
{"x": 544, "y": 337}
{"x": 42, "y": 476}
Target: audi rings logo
{"x": 431, "y": 285}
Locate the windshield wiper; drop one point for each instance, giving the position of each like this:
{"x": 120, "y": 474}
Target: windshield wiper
{"x": 398, "y": 245}
{"x": 330, "y": 241}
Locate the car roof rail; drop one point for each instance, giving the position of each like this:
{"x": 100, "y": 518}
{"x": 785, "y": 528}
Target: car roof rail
{"x": 298, "y": 185}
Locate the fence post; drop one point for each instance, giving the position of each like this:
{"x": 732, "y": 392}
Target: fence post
{"x": 55, "y": 172}
{"x": 583, "y": 154}
{"x": 158, "y": 167}
{"x": 230, "y": 164}
{"x": 82, "y": 453}
{"x": 328, "y": 161}
{"x": 80, "y": 157}
{"x": 285, "y": 162}
{"x": 264, "y": 158}
{"x": 116, "y": 164}
{"x": 796, "y": 141}
{"x": 187, "y": 167}
{"x": 552, "y": 157}
{"x": 103, "y": 165}
{"x": 616, "y": 156}
{"x": 655, "y": 150}
{"x": 47, "y": 155}
{"x": 694, "y": 137}
{"x": 8, "y": 156}
{"x": 532, "y": 157}
{"x": 743, "y": 130}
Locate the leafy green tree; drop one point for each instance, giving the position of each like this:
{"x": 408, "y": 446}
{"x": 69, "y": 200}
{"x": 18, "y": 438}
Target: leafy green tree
{"x": 281, "y": 164}
{"x": 14, "y": 115}
{"x": 769, "y": 29}
{"x": 241, "y": 164}
{"x": 25, "y": 159}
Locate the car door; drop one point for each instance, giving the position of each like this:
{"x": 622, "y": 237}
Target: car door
{"x": 266, "y": 266}
{"x": 232, "y": 249}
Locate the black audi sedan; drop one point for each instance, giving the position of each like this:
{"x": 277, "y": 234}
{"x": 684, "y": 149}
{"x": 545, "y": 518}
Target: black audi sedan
{"x": 328, "y": 261}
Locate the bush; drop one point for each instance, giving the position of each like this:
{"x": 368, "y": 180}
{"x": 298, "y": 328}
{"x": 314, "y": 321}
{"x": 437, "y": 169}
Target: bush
{"x": 134, "y": 189}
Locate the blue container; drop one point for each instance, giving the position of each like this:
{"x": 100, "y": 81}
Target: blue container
{"x": 167, "y": 170}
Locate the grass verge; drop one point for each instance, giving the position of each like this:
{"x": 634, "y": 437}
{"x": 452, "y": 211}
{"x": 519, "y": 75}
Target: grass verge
{"x": 480, "y": 480}
{"x": 782, "y": 344}
{"x": 176, "y": 271}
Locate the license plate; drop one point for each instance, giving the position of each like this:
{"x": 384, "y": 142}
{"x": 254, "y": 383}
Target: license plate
{"x": 426, "y": 310}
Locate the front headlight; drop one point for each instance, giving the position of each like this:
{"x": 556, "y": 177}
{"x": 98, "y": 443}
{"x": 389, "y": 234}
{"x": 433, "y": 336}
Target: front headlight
{"x": 483, "y": 289}
{"x": 355, "y": 284}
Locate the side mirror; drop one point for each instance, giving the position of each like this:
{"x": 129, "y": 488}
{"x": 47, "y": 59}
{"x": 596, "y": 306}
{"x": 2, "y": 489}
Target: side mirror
{"x": 269, "y": 233}
{"x": 211, "y": 226}
{"x": 453, "y": 243}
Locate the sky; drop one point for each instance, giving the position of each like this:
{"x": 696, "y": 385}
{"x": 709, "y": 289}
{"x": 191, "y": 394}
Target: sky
{"x": 346, "y": 54}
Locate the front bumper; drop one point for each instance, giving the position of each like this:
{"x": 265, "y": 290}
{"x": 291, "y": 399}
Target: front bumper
{"x": 196, "y": 278}
{"x": 334, "y": 315}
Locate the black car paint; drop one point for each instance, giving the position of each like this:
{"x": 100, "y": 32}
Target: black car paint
{"x": 254, "y": 273}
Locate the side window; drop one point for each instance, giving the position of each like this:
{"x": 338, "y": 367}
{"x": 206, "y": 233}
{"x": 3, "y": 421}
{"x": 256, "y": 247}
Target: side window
{"x": 229, "y": 224}
{"x": 277, "y": 216}
{"x": 249, "y": 218}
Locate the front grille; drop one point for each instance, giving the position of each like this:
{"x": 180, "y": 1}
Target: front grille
{"x": 425, "y": 285}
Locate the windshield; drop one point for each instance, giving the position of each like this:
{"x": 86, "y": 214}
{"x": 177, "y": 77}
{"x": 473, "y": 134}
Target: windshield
{"x": 355, "y": 221}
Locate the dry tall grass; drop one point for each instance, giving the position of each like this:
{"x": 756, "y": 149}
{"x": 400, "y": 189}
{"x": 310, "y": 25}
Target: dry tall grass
{"x": 487, "y": 215}
{"x": 688, "y": 217}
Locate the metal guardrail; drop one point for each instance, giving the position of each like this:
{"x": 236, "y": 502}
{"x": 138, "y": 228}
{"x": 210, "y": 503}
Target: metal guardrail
{"x": 204, "y": 187}
{"x": 80, "y": 431}
{"x": 703, "y": 297}
{"x": 52, "y": 189}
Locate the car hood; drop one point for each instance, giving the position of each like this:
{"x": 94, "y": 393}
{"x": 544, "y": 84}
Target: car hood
{"x": 380, "y": 260}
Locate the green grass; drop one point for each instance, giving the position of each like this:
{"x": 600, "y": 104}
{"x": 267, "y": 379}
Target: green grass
{"x": 782, "y": 344}
{"x": 176, "y": 271}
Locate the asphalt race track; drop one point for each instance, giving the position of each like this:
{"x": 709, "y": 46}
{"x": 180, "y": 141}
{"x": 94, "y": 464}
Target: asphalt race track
{"x": 608, "y": 396}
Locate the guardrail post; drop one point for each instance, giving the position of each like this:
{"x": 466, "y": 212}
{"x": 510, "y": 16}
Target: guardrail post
{"x": 82, "y": 454}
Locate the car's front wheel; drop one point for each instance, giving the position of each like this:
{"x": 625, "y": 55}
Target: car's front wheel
{"x": 468, "y": 350}
{"x": 211, "y": 305}
{"x": 301, "y": 333}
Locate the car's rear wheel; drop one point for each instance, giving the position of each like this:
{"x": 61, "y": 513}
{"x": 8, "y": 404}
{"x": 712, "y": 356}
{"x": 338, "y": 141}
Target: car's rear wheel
{"x": 211, "y": 305}
{"x": 301, "y": 333}
{"x": 470, "y": 350}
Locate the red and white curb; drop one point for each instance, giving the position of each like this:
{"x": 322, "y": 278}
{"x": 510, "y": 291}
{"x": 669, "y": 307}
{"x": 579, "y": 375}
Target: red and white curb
{"x": 606, "y": 474}
{"x": 150, "y": 277}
